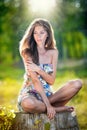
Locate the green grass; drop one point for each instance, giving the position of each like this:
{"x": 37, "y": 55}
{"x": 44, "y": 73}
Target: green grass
{"x": 11, "y": 79}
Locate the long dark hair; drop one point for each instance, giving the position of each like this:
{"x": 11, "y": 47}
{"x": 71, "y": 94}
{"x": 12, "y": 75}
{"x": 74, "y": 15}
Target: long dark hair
{"x": 29, "y": 42}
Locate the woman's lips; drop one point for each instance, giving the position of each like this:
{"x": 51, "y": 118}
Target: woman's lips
{"x": 39, "y": 40}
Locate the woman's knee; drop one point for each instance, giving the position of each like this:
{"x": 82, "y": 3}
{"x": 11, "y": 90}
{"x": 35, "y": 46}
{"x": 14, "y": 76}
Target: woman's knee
{"x": 28, "y": 105}
{"x": 76, "y": 83}
{"x": 79, "y": 83}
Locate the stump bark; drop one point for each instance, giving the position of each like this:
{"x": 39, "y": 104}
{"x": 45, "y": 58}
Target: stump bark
{"x": 62, "y": 121}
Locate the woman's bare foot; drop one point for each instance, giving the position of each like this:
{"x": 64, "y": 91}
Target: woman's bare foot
{"x": 64, "y": 108}
{"x": 69, "y": 108}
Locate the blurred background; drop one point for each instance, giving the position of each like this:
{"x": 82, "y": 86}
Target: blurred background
{"x": 69, "y": 21}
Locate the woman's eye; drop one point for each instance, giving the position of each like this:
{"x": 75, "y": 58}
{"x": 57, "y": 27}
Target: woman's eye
{"x": 38, "y": 33}
{"x": 35, "y": 33}
{"x": 42, "y": 32}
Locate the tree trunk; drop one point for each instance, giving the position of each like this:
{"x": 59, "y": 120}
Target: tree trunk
{"x": 62, "y": 121}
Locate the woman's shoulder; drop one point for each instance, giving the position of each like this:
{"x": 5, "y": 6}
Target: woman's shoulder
{"x": 53, "y": 52}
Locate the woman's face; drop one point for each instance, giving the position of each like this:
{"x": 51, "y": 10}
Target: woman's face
{"x": 40, "y": 35}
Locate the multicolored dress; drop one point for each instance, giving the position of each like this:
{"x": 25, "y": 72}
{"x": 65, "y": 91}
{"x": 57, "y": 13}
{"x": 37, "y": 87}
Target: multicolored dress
{"x": 28, "y": 88}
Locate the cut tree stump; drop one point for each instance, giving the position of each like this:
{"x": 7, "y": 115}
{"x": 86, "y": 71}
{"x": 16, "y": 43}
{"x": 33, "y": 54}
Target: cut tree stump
{"x": 62, "y": 121}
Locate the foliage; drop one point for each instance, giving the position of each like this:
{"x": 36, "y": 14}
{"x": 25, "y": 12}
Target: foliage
{"x": 10, "y": 21}
{"x": 6, "y": 117}
{"x": 74, "y": 45}
{"x": 11, "y": 79}
{"x": 70, "y": 28}
{"x": 47, "y": 126}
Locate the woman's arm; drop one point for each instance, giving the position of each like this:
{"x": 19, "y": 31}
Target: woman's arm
{"x": 50, "y": 78}
{"x": 38, "y": 87}
{"x": 37, "y": 84}
{"x": 50, "y": 110}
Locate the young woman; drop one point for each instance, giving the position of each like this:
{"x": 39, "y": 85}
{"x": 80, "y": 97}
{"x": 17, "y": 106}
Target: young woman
{"x": 40, "y": 55}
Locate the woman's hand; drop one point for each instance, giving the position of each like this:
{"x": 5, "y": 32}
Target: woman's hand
{"x": 51, "y": 112}
{"x": 30, "y": 66}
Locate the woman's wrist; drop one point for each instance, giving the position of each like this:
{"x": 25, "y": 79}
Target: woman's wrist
{"x": 47, "y": 103}
{"x": 39, "y": 70}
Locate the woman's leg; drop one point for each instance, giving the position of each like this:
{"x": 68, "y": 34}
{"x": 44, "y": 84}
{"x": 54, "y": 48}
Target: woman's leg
{"x": 33, "y": 105}
{"x": 58, "y": 99}
{"x": 65, "y": 93}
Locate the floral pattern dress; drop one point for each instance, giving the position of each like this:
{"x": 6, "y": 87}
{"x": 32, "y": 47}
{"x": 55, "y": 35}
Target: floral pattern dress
{"x": 28, "y": 87}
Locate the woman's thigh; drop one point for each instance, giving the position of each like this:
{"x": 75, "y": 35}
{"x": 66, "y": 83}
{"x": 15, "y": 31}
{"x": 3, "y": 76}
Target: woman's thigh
{"x": 31, "y": 104}
{"x": 66, "y": 92}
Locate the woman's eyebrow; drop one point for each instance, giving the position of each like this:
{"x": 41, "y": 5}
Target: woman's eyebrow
{"x": 39, "y": 31}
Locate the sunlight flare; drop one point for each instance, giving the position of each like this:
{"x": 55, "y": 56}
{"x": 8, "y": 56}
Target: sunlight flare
{"x": 43, "y": 6}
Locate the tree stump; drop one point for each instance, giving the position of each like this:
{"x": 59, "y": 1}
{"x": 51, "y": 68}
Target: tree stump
{"x": 62, "y": 121}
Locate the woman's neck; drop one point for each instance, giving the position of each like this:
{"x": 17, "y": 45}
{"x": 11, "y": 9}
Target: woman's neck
{"x": 41, "y": 50}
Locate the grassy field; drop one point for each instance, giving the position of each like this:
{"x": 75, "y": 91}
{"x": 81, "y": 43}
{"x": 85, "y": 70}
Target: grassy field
{"x": 11, "y": 79}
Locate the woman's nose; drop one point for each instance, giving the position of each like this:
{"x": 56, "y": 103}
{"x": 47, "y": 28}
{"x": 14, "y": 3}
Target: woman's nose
{"x": 38, "y": 35}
